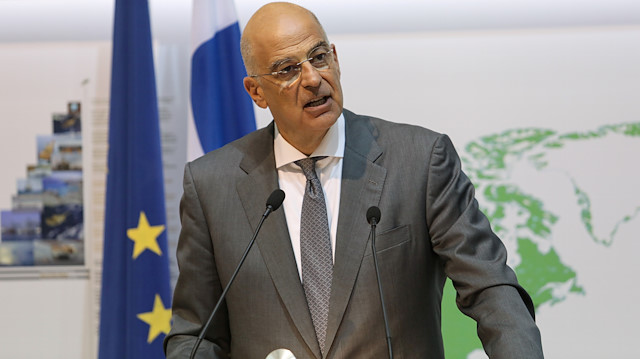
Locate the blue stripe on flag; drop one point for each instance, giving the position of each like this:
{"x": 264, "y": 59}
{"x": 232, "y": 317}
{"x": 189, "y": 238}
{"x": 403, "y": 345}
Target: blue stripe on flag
{"x": 222, "y": 109}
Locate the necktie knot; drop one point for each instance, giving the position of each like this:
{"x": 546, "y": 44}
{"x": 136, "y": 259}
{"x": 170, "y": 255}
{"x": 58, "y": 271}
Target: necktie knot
{"x": 308, "y": 166}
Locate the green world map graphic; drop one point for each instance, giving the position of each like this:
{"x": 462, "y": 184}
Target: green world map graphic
{"x": 516, "y": 213}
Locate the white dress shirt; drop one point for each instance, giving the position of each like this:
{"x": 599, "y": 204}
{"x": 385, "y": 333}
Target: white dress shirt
{"x": 292, "y": 181}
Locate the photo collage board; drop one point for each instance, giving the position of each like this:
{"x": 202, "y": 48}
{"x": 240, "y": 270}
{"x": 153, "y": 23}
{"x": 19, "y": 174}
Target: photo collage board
{"x": 45, "y": 225}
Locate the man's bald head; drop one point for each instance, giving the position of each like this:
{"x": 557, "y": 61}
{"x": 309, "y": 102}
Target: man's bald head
{"x": 287, "y": 39}
{"x": 266, "y": 24}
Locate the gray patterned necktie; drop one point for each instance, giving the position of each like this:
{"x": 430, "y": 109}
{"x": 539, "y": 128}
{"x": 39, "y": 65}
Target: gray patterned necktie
{"x": 315, "y": 248}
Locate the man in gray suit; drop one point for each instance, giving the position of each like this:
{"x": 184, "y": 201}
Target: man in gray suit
{"x": 430, "y": 227}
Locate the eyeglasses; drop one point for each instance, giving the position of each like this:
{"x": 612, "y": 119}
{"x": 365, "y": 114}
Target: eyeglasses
{"x": 320, "y": 60}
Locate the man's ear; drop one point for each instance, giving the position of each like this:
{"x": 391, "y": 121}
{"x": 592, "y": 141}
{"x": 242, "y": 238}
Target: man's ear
{"x": 255, "y": 91}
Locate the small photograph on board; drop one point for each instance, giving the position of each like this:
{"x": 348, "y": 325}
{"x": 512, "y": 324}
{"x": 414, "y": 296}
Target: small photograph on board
{"x": 63, "y": 221}
{"x": 27, "y": 201}
{"x": 29, "y": 185}
{"x": 19, "y": 226}
{"x": 64, "y": 252}
{"x": 29, "y": 196}
{"x": 16, "y": 253}
{"x": 68, "y": 122}
{"x": 45, "y": 145}
{"x": 74, "y": 108}
{"x": 62, "y": 215}
{"x": 38, "y": 171}
{"x": 62, "y": 187}
{"x": 67, "y": 153}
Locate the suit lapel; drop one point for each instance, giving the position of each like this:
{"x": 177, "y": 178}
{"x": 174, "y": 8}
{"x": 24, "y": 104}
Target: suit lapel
{"x": 362, "y": 182}
{"x": 274, "y": 241}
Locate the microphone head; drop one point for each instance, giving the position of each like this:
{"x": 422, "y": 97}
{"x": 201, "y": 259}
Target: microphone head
{"x": 373, "y": 213}
{"x": 281, "y": 354}
{"x": 275, "y": 199}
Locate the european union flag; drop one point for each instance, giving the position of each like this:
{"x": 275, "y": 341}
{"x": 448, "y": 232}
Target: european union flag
{"x": 136, "y": 293}
{"x": 222, "y": 110}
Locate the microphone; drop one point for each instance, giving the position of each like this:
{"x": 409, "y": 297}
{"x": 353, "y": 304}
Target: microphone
{"x": 273, "y": 203}
{"x": 373, "y": 217}
{"x": 281, "y": 354}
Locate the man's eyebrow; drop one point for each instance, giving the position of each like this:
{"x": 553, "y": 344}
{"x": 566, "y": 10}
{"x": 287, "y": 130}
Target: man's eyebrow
{"x": 276, "y": 64}
{"x": 318, "y": 45}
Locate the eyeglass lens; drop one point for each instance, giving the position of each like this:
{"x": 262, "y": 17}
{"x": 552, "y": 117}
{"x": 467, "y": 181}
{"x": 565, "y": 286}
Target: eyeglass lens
{"x": 320, "y": 60}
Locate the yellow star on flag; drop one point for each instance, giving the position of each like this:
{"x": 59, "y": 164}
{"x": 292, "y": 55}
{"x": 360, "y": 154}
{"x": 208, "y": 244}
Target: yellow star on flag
{"x": 145, "y": 236}
{"x": 159, "y": 319}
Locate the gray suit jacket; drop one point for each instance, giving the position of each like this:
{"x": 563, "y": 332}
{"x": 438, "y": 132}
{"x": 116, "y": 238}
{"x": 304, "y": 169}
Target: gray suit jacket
{"x": 430, "y": 228}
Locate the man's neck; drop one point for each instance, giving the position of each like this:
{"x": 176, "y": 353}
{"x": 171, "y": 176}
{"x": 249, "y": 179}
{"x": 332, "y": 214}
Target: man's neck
{"x": 332, "y": 144}
{"x": 305, "y": 144}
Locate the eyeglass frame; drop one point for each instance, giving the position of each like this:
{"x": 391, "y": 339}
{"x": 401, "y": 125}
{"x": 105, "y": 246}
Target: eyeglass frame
{"x": 297, "y": 66}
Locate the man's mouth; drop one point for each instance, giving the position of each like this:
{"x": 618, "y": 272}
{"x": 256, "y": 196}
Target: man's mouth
{"x": 318, "y": 102}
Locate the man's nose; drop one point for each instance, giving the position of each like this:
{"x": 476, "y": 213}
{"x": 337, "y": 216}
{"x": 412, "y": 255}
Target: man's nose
{"x": 310, "y": 76}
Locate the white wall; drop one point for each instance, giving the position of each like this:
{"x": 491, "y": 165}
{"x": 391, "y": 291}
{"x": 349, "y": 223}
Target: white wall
{"x": 55, "y": 305}
{"x": 464, "y": 68}
{"x": 48, "y": 318}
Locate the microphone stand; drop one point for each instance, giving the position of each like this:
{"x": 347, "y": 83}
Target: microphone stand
{"x": 273, "y": 203}
{"x": 373, "y": 221}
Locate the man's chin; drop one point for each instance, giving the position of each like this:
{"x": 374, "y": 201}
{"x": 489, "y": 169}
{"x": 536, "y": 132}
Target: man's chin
{"x": 325, "y": 119}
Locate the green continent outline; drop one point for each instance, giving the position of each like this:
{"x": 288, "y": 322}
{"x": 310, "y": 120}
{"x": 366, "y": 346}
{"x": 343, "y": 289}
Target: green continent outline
{"x": 487, "y": 162}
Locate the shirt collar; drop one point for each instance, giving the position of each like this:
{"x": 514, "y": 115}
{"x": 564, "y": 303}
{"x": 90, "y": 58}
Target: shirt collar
{"x": 332, "y": 145}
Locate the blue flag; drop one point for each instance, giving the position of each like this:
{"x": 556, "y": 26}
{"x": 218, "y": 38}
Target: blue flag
{"x": 222, "y": 110}
{"x": 135, "y": 311}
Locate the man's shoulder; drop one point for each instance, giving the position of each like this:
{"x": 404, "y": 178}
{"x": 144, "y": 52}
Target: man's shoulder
{"x": 256, "y": 143}
{"x": 384, "y": 129}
